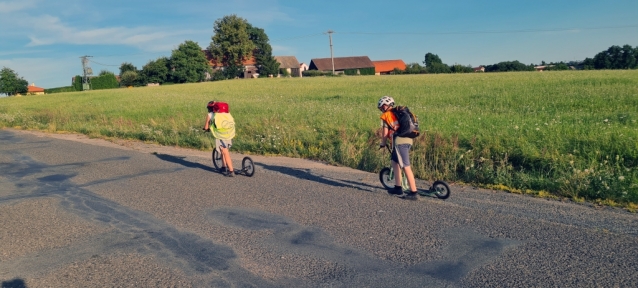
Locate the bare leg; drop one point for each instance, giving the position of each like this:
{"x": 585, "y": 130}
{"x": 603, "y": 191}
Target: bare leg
{"x": 410, "y": 176}
{"x": 397, "y": 173}
{"x": 226, "y": 159}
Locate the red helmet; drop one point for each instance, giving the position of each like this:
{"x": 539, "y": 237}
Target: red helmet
{"x": 217, "y": 107}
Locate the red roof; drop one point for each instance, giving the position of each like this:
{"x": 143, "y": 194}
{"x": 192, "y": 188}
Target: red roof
{"x": 33, "y": 89}
{"x": 213, "y": 62}
{"x": 384, "y": 66}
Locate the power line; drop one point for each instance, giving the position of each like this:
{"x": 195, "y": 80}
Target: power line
{"x": 490, "y": 31}
{"x": 98, "y": 63}
{"x": 462, "y": 32}
{"x": 298, "y": 37}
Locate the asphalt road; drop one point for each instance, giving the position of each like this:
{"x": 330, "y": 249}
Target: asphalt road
{"x": 80, "y": 212}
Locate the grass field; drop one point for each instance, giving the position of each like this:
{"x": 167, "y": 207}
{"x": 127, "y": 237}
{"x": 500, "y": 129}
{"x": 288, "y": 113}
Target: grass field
{"x": 569, "y": 134}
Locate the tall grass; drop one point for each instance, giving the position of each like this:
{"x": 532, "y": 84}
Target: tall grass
{"x": 571, "y": 133}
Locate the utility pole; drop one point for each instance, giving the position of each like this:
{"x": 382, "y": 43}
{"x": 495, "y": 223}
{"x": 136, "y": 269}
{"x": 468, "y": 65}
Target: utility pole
{"x": 331, "y": 55}
{"x": 86, "y": 82}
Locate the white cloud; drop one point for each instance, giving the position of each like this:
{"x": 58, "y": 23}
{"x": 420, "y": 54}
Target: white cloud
{"x": 8, "y": 7}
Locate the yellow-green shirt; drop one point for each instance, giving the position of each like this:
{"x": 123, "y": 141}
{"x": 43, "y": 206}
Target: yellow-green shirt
{"x": 223, "y": 126}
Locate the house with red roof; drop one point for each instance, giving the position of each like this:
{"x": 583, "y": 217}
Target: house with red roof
{"x": 34, "y": 90}
{"x": 387, "y": 66}
{"x": 250, "y": 68}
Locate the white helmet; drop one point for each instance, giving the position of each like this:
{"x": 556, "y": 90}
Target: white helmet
{"x": 387, "y": 100}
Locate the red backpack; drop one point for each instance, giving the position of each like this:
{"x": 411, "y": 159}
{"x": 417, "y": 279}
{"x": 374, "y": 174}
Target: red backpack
{"x": 220, "y": 107}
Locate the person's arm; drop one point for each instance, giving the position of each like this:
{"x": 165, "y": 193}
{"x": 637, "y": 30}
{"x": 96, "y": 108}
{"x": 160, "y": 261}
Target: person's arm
{"x": 386, "y": 133}
{"x": 206, "y": 126}
{"x": 384, "y": 138}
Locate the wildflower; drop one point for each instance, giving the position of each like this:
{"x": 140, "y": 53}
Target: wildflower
{"x": 606, "y": 120}
{"x": 516, "y": 127}
{"x": 621, "y": 178}
{"x": 537, "y": 129}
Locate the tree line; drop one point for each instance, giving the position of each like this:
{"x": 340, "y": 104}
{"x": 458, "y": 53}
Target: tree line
{"x": 235, "y": 40}
{"x": 616, "y": 57}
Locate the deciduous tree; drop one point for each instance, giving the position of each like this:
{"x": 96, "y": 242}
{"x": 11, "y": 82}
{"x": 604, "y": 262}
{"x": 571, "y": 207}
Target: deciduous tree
{"x": 414, "y": 68}
{"x": 11, "y": 84}
{"x": 126, "y": 66}
{"x": 129, "y": 78}
{"x": 616, "y": 57}
{"x": 431, "y": 59}
{"x": 231, "y": 42}
{"x": 188, "y": 63}
{"x": 156, "y": 71}
{"x": 266, "y": 63}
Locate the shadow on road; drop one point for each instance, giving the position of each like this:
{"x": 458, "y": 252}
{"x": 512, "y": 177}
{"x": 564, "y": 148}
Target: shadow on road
{"x": 15, "y": 283}
{"x": 181, "y": 161}
{"x": 307, "y": 175}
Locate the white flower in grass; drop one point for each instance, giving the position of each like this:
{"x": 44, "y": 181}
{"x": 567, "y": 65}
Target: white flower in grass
{"x": 537, "y": 129}
{"x": 621, "y": 178}
{"x": 516, "y": 127}
{"x": 606, "y": 120}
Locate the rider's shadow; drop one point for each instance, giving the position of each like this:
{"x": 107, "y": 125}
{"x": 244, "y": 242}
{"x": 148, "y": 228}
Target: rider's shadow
{"x": 305, "y": 174}
{"x": 181, "y": 161}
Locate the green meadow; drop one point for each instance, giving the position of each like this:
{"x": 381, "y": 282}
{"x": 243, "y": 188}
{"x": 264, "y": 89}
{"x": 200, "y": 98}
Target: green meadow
{"x": 566, "y": 134}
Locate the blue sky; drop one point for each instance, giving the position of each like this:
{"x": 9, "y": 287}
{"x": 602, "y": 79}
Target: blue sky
{"x": 43, "y": 40}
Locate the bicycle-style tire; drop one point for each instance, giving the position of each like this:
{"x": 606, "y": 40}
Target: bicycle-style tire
{"x": 386, "y": 178}
{"x": 247, "y": 166}
{"x": 441, "y": 189}
{"x": 217, "y": 160}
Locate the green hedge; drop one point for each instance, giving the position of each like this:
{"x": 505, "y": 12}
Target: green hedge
{"x": 106, "y": 81}
{"x": 77, "y": 84}
{"x": 314, "y": 73}
{"x": 360, "y": 71}
{"x": 367, "y": 71}
{"x": 60, "y": 90}
{"x": 350, "y": 71}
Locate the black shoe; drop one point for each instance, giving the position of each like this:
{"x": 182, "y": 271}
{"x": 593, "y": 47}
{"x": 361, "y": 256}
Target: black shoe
{"x": 397, "y": 190}
{"x": 410, "y": 196}
{"x": 229, "y": 174}
{"x": 223, "y": 170}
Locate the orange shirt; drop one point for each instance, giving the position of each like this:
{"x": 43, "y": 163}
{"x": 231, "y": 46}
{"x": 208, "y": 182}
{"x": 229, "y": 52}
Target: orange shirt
{"x": 389, "y": 119}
